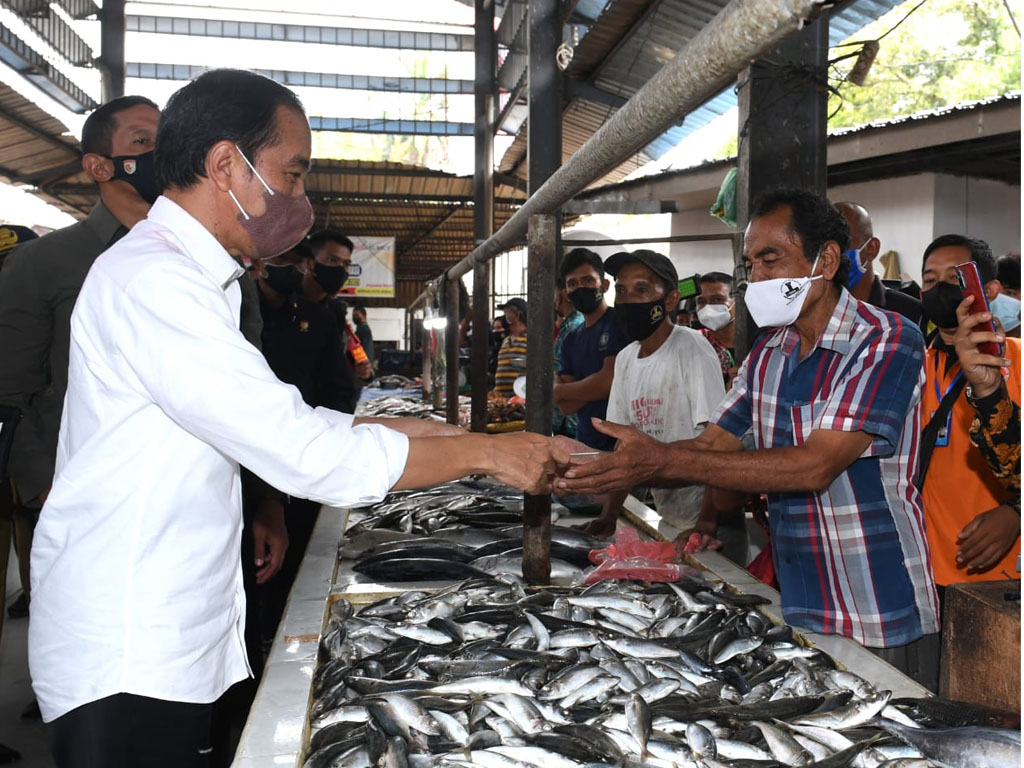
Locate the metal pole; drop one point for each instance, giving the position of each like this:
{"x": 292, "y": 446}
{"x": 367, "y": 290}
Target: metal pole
{"x": 670, "y": 239}
{"x": 483, "y": 206}
{"x": 540, "y": 320}
{"x": 782, "y": 137}
{"x": 451, "y": 356}
{"x": 544, "y": 154}
{"x": 741, "y": 32}
{"x": 111, "y": 59}
{"x": 544, "y": 117}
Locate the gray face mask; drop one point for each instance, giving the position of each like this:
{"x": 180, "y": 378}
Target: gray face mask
{"x": 285, "y": 222}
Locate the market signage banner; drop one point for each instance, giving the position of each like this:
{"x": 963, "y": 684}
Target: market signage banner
{"x": 373, "y": 267}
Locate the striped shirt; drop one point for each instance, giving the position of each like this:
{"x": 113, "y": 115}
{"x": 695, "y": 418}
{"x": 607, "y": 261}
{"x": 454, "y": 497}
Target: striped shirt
{"x": 511, "y": 364}
{"x": 853, "y": 559}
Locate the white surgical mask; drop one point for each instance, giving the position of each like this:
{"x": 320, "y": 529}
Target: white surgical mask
{"x": 1007, "y": 309}
{"x": 714, "y": 317}
{"x": 777, "y": 302}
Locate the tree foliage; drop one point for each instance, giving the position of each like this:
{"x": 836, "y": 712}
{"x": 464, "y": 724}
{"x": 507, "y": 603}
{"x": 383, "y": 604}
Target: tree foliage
{"x": 946, "y": 52}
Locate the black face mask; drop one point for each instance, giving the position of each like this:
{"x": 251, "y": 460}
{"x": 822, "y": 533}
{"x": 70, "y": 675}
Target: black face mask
{"x": 330, "y": 278}
{"x": 638, "y": 321}
{"x": 940, "y": 303}
{"x": 586, "y": 300}
{"x": 140, "y": 172}
{"x": 284, "y": 279}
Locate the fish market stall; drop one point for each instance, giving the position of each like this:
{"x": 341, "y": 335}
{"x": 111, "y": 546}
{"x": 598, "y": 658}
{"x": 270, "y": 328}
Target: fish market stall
{"x": 374, "y": 666}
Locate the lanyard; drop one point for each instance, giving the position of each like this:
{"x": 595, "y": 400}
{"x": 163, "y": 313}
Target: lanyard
{"x": 939, "y": 398}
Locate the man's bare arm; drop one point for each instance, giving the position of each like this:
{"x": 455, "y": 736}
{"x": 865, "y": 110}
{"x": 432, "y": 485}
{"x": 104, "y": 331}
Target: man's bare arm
{"x": 411, "y": 427}
{"x": 596, "y": 386}
{"x": 640, "y": 459}
{"x": 523, "y": 460}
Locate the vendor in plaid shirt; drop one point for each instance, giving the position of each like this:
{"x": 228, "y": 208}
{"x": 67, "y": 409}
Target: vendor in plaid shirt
{"x": 831, "y": 393}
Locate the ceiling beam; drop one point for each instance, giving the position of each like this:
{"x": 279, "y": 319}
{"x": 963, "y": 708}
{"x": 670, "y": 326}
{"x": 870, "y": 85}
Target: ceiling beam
{"x": 621, "y": 206}
{"x": 55, "y": 31}
{"x": 581, "y": 89}
{"x": 47, "y": 176}
{"x": 391, "y": 126}
{"x": 12, "y": 118}
{"x": 302, "y": 33}
{"x": 31, "y": 65}
{"x": 437, "y": 225}
{"x": 299, "y": 79}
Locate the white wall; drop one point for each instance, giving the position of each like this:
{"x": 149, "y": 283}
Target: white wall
{"x": 902, "y": 214}
{"x": 907, "y": 212}
{"x": 993, "y": 214}
{"x": 386, "y": 323}
{"x": 700, "y": 256}
{"x": 911, "y": 211}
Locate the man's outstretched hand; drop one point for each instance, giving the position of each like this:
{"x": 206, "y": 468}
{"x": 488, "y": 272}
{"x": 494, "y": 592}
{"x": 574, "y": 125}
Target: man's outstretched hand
{"x": 527, "y": 461}
{"x": 636, "y": 458}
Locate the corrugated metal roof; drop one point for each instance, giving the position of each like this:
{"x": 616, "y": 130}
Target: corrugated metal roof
{"x": 628, "y": 43}
{"x": 33, "y": 148}
{"x": 964, "y": 106}
{"x": 428, "y": 212}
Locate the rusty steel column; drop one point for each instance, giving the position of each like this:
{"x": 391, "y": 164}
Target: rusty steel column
{"x": 544, "y": 156}
{"x": 451, "y": 354}
{"x": 544, "y": 117}
{"x": 542, "y": 244}
{"x": 484, "y": 90}
{"x": 783, "y": 109}
{"x": 111, "y": 58}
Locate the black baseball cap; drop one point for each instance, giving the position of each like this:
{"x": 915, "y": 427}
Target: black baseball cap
{"x": 519, "y": 305}
{"x": 660, "y": 265}
{"x": 12, "y": 235}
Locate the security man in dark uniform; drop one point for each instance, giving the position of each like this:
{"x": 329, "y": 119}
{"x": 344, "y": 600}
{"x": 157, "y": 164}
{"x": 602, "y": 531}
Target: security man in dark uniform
{"x": 302, "y": 345}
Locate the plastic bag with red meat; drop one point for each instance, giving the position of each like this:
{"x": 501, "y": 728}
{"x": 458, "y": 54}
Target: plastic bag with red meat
{"x": 630, "y": 558}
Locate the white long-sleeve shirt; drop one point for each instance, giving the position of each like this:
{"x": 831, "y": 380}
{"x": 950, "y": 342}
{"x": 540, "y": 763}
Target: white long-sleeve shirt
{"x": 136, "y": 573}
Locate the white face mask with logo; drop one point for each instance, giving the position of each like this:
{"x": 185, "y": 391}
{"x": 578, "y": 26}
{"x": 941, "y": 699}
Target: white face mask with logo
{"x": 714, "y": 317}
{"x": 777, "y": 302}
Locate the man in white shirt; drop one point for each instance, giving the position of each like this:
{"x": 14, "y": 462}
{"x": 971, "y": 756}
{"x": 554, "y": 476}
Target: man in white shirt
{"x": 667, "y": 381}
{"x": 137, "y": 606}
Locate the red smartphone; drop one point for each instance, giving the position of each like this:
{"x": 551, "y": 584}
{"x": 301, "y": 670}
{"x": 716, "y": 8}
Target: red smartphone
{"x": 970, "y": 285}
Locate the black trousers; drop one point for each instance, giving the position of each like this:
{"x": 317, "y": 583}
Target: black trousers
{"x": 128, "y": 731}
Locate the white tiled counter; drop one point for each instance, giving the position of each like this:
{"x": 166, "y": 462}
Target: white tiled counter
{"x": 275, "y": 732}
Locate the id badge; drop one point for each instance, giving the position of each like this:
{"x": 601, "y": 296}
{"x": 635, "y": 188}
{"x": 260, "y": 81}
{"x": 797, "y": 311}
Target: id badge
{"x": 942, "y": 439}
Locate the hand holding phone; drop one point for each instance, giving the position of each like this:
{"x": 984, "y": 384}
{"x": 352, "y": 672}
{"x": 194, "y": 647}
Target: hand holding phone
{"x": 970, "y": 285}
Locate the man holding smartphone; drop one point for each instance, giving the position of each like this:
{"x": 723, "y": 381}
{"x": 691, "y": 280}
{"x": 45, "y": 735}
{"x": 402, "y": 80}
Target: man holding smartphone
{"x": 973, "y": 523}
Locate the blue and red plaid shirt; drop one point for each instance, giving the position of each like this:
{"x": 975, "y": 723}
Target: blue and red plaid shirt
{"x": 853, "y": 559}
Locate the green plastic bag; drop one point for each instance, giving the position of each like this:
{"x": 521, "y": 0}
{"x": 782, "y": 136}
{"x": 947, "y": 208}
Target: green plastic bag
{"x": 724, "y": 207}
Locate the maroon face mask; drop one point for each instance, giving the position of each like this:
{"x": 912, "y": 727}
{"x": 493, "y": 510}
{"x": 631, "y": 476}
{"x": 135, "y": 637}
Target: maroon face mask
{"x": 284, "y": 223}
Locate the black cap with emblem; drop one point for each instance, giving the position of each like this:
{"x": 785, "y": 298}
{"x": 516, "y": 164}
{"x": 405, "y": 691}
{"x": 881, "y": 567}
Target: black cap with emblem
{"x": 660, "y": 265}
{"x": 11, "y": 236}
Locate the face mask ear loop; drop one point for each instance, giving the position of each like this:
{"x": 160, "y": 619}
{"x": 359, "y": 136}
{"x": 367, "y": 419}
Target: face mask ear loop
{"x": 253, "y": 169}
{"x": 240, "y": 208}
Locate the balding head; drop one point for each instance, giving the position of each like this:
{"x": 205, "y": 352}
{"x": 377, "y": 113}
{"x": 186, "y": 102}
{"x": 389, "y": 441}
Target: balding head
{"x": 860, "y": 223}
{"x": 863, "y": 242}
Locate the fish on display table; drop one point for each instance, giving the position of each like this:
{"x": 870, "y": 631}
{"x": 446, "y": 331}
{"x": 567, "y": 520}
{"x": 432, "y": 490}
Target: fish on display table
{"x": 547, "y": 686}
{"x": 621, "y": 674}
